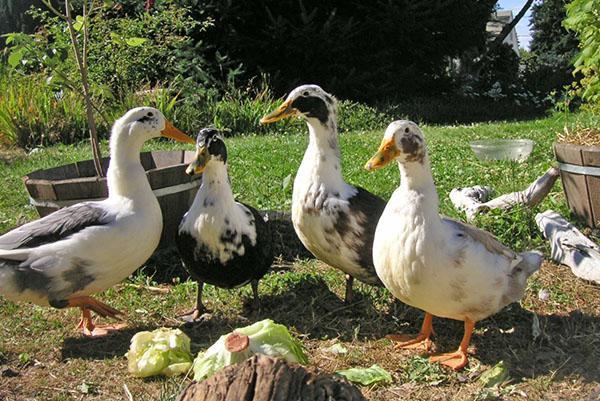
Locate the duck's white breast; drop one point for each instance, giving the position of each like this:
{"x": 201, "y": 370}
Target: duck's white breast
{"x": 431, "y": 267}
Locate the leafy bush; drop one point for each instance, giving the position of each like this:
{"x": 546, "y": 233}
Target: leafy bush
{"x": 358, "y": 50}
{"x": 32, "y": 114}
{"x": 584, "y": 19}
{"x": 451, "y": 109}
{"x": 127, "y": 52}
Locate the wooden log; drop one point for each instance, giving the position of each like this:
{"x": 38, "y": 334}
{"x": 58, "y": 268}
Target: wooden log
{"x": 262, "y": 378}
{"x": 569, "y": 246}
{"x": 472, "y": 200}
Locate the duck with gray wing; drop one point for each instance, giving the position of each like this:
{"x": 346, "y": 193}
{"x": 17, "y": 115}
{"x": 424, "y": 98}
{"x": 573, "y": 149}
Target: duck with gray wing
{"x": 63, "y": 258}
{"x": 334, "y": 220}
{"x": 221, "y": 242}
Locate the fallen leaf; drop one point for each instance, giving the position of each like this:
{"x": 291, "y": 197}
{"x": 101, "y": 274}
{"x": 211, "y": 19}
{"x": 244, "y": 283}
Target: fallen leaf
{"x": 337, "y": 349}
{"x": 494, "y": 376}
{"x": 366, "y": 376}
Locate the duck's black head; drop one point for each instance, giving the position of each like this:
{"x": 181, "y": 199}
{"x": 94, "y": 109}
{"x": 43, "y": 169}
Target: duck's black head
{"x": 307, "y": 102}
{"x": 210, "y": 148}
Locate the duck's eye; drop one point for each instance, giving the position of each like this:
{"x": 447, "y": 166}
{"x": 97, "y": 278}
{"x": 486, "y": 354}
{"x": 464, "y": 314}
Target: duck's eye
{"x": 406, "y": 130}
{"x": 150, "y": 114}
{"x": 305, "y": 93}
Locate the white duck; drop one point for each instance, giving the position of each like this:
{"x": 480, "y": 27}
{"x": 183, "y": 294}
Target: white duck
{"x": 61, "y": 259}
{"x": 442, "y": 266}
{"x": 334, "y": 220}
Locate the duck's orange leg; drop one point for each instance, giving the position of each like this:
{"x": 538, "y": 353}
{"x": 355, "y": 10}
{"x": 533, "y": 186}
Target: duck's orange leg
{"x": 420, "y": 341}
{"x": 86, "y": 324}
{"x": 457, "y": 359}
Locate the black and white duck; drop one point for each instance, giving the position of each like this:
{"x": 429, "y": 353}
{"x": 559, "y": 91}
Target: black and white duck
{"x": 61, "y": 259}
{"x": 445, "y": 267}
{"x": 221, "y": 242}
{"x": 334, "y": 220}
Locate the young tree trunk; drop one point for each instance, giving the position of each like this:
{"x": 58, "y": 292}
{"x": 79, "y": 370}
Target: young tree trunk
{"x": 508, "y": 27}
{"x": 82, "y": 66}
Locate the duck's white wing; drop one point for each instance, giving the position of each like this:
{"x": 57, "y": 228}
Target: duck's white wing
{"x": 57, "y": 226}
{"x": 484, "y": 238}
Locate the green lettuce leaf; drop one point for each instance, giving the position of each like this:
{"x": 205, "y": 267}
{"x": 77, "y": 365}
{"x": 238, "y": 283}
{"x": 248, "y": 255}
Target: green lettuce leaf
{"x": 366, "y": 376}
{"x": 265, "y": 337}
{"x": 495, "y": 375}
{"x": 159, "y": 352}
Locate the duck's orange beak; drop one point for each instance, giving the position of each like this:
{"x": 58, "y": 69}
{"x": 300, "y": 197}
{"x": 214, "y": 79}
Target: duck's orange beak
{"x": 386, "y": 153}
{"x": 283, "y": 111}
{"x": 171, "y": 132}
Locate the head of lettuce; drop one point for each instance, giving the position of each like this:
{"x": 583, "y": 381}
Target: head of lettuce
{"x": 160, "y": 352}
{"x": 264, "y": 337}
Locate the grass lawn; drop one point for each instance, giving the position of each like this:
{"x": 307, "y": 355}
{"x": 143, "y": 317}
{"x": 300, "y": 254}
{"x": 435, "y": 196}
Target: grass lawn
{"x": 43, "y": 358}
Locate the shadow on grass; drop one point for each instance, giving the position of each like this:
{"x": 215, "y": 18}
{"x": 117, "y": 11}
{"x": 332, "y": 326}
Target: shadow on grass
{"x": 568, "y": 346}
{"x": 117, "y": 344}
{"x": 113, "y": 345}
{"x": 309, "y": 305}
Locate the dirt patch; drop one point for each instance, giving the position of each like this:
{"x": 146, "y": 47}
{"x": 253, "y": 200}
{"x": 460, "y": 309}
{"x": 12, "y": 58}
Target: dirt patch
{"x": 553, "y": 359}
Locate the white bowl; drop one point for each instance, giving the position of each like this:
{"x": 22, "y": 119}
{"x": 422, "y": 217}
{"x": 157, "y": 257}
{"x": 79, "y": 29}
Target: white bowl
{"x": 502, "y": 149}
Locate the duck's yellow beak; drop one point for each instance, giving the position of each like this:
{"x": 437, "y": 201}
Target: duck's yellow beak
{"x": 283, "y": 111}
{"x": 198, "y": 165}
{"x": 386, "y": 153}
{"x": 171, "y": 132}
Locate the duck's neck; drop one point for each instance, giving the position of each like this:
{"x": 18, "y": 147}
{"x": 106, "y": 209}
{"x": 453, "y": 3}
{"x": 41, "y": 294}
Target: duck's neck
{"x": 215, "y": 186}
{"x": 416, "y": 178}
{"x": 126, "y": 176}
{"x": 322, "y": 160}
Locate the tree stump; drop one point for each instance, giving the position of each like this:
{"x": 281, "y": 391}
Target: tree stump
{"x": 262, "y": 378}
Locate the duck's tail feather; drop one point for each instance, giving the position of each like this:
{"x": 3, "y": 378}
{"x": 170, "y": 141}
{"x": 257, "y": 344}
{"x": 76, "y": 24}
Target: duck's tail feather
{"x": 532, "y": 260}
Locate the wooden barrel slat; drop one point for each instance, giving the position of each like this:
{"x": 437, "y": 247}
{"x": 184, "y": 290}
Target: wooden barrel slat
{"x": 166, "y": 159}
{"x": 188, "y": 156}
{"x": 591, "y": 156}
{"x": 568, "y": 153}
{"x": 81, "y": 188}
{"x": 42, "y": 189}
{"x": 168, "y": 176}
{"x": 582, "y": 191}
{"x": 86, "y": 168}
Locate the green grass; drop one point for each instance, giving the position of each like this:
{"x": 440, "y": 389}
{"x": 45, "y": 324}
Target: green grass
{"x": 306, "y": 296}
{"x": 259, "y": 164}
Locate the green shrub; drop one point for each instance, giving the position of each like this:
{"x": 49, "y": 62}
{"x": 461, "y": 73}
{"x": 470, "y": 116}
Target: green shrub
{"x": 33, "y": 114}
{"x": 548, "y": 67}
{"x": 583, "y": 17}
{"x": 127, "y": 52}
{"x": 358, "y": 50}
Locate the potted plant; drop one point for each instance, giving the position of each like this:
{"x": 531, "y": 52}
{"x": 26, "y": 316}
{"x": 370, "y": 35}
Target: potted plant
{"x": 578, "y": 150}
{"x": 578, "y": 155}
{"x": 53, "y": 188}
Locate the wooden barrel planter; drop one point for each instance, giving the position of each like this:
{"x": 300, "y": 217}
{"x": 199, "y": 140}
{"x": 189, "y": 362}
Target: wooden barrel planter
{"x": 54, "y": 188}
{"x": 580, "y": 174}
